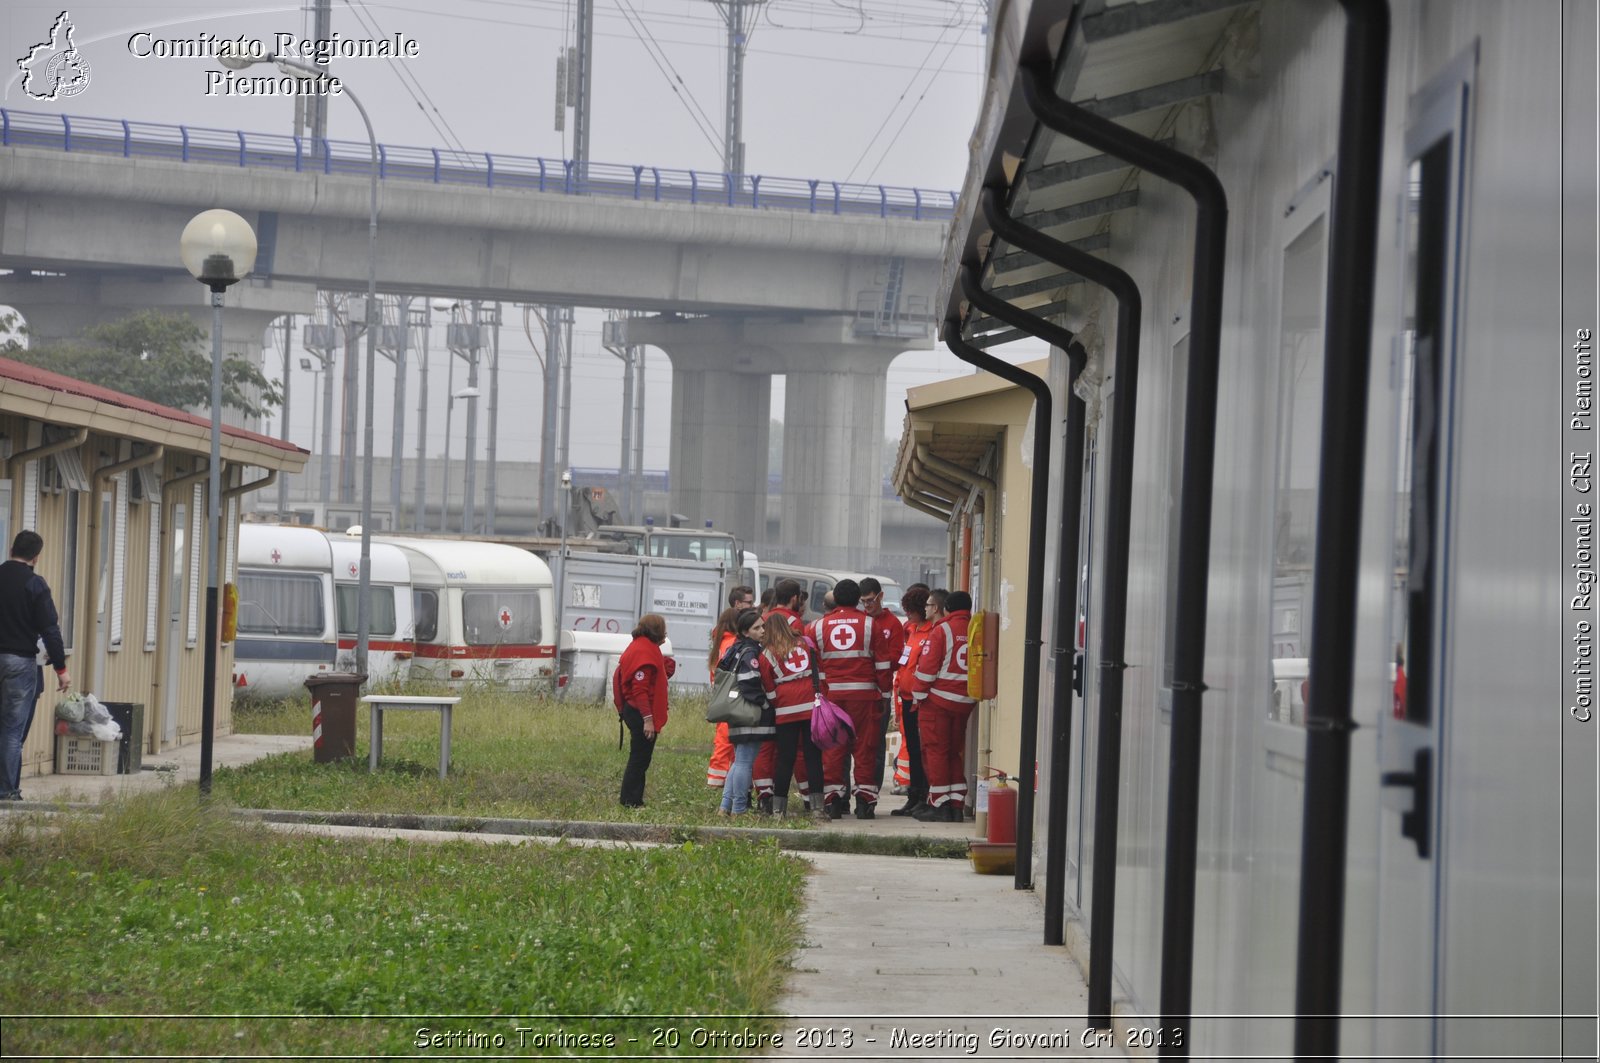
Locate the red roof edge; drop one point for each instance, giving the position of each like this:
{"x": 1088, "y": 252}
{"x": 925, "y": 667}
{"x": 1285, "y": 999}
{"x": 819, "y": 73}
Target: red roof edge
{"x": 44, "y": 378}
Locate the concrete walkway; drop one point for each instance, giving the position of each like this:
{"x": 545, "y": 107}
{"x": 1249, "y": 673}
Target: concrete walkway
{"x": 903, "y": 958}
{"x": 174, "y": 768}
{"x": 925, "y": 959}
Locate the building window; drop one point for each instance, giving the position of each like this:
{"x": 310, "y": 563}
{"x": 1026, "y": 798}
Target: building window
{"x": 425, "y": 609}
{"x": 1299, "y": 451}
{"x": 500, "y": 617}
{"x": 277, "y": 603}
{"x": 382, "y": 619}
{"x": 1177, "y": 388}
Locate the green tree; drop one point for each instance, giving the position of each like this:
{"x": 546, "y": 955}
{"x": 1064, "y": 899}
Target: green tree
{"x": 156, "y": 356}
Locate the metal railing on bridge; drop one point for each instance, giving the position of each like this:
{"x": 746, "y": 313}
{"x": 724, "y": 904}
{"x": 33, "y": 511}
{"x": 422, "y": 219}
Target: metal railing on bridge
{"x": 445, "y": 166}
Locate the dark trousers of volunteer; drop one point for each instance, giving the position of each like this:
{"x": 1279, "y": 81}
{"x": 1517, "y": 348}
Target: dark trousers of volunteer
{"x": 795, "y": 738}
{"x": 640, "y": 750}
{"x": 868, "y": 749}
{"x": 911, "y": 737}
{"x": 944, "y": 742}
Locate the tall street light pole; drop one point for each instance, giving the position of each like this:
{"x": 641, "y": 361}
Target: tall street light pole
{"x": 364, "y": 600}
{"x": 218, "y": 248}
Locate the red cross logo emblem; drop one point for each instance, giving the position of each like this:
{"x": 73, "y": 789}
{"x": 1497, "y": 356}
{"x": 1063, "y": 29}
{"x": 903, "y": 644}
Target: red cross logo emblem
{"x": 276, "y": 557}
{"x": 355, "y": 569}
{"x": 505, "y": 618}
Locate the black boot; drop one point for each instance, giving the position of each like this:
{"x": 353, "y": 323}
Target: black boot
{"x": 836, "y": 806}
{"x": 913, "y": 802}
{"x": 764, "y": 806}
{"x": 864, "y": 809}
{"x": 931, "y": 814}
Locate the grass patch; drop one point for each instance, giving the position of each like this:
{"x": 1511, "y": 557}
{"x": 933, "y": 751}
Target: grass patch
{"x": 512, "y": 755}
{"x": 166, "y": 906}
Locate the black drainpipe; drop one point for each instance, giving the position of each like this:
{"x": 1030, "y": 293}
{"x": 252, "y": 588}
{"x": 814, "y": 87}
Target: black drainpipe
{"x": 1113, "y": 626}
{"x": 1194, "y": 515}
{"x": 1072, "y": 476}
{"x": 1039, "y": 497}
{"x": 1352, "y": 253}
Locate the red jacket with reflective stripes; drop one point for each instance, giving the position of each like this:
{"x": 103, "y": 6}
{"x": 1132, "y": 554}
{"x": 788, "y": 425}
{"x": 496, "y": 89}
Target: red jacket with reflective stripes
{"x": 854, "y": 662}
{"x": 788, "y": 683}
{"x": 887, "y": 629}
{"x": 940, "y": 677}
{"x": 916, "y": 635}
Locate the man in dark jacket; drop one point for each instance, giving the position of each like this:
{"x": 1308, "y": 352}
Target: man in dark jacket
{"x": 27, "y": 616}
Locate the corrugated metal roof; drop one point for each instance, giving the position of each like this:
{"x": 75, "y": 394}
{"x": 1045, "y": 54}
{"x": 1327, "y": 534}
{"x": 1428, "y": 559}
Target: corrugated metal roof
{"x": 1139, "y": 64}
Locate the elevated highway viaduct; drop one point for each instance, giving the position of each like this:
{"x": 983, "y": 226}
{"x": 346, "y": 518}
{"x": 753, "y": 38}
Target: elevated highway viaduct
{"x": 739, "y": 294}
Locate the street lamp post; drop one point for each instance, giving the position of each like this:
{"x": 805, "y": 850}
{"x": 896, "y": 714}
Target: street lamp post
{"x": 218, "y": 248}
{"x": 315, "y": 371}
{"x": 364, "y": 593}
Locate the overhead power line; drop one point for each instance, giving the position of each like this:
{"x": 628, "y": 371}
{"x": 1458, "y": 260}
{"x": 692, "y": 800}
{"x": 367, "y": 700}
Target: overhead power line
{"x": 701, "y": 120}
{"x": 447, "y": 133}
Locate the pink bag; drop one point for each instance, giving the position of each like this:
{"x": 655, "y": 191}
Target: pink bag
{"x": 830, "y": 725}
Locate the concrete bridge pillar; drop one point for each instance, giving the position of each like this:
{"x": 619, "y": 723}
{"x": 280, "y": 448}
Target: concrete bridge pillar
{"x": 833, "y": 425}
{"x": 61, "y": 309}
{"x": 833, "y": 451}
{"x": 721, "y": 418}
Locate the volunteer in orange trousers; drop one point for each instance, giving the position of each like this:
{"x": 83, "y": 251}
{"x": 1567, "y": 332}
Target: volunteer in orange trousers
{"x": 722, "y": 636}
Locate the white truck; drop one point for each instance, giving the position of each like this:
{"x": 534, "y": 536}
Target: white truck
{"x": 602, "y": 595}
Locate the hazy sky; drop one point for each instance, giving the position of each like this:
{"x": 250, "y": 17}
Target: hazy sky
{"x": 881, "y": 91}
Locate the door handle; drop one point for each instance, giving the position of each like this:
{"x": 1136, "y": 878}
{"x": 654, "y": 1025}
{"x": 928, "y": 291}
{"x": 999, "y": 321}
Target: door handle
{"x": 1416, "y": 824}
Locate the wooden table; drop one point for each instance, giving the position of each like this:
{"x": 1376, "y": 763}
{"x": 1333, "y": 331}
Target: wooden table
{"x": 377, "y": 703}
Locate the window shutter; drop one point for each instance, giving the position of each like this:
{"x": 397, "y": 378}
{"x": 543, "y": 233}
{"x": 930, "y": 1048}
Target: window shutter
{"x": 149, "y": 483}
{"x": 30, "y": 483}
{"x": 69, "y": 466}
{"x": 153, "y": 591}
{"x": 197, "y": 533}
{"x": 119, "y": 559}
{"x": 228, "y": 536}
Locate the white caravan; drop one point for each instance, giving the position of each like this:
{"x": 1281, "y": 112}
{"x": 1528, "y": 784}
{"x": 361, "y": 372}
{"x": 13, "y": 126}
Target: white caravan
{"x": 483, "y": 613}
{"x": 391, "y": 633}
{"x": 286, "y": 609}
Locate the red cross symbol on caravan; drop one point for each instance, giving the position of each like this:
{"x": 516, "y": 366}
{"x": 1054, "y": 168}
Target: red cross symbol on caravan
{"x": 505, "y": 618}
{"x": 276, "y": 557}
{"x": 355, "y": 569}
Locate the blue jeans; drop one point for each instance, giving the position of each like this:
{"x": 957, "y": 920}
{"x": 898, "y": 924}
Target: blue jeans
{"x": 736, "y": 789}
{"x": 18, "y": 693}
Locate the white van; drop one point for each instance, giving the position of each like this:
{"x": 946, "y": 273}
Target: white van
{"x": 391, "y": 633}
{"x": 483, "y": 613}
{"x": 286, "y": 609}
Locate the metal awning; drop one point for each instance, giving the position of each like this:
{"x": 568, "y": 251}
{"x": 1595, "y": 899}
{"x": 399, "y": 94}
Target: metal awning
{"x": 937, "y": 427}
{"x": 1139, "y": 64}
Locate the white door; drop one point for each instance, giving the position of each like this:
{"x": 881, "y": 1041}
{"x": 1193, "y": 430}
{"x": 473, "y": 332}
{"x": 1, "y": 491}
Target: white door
{"x": 1413, "y": 734}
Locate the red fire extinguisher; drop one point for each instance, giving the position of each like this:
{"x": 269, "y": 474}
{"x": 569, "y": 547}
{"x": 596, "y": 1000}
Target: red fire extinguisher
{"x": 1002, "y": 811}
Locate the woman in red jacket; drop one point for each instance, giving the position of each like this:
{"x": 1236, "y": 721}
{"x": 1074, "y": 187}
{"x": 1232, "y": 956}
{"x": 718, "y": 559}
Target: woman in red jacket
{"x": 639, "y": 690}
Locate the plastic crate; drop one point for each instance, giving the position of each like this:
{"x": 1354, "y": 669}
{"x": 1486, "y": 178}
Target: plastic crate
{"x": 81, "y": 755}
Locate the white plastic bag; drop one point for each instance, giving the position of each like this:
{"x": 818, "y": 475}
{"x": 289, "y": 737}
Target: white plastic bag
{"x": 94, "y": 712}
{"x": 106, "y": 732}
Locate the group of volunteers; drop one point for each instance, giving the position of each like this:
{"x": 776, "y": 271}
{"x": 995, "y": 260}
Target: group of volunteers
{"x": 859, "y": 656}
{"x": 862, "y": 658}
